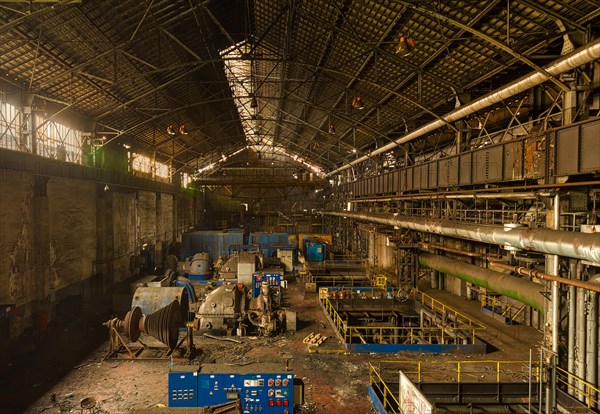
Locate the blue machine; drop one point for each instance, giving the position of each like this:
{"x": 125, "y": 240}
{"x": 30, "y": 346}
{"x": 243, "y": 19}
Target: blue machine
{"x": 261, "y": 387}
{"x": 315, "y": 251}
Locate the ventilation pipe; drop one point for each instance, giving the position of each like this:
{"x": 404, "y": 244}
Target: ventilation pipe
{"x": 585, "y": 246}
{"x": 513, "y": 287}
{"x": 581, "y": 56}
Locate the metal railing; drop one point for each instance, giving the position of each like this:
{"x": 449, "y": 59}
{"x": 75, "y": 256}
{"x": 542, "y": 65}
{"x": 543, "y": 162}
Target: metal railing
{"x": 579, "y": 388}
{"x": 500, "y": 306}
{"x": 461, "y": 320}
{"x": 398, "y": 335}
{"x": 382, "y": 374}
{"x": 378, "y": 383}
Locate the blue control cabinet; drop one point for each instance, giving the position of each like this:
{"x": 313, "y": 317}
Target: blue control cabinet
{"x": 183, "y": 386}
{"x": 261, "y": 387}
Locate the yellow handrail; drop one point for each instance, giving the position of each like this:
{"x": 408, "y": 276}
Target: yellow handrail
{"x": 584, "y": 391}
{"x": 468, "y": 371}
{"x": 401, "y": 334}
{"x": 441, "y": 307}
{"x": 386, "y": 393}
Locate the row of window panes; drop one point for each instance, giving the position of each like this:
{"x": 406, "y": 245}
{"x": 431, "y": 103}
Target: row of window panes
{"x": 58, "y": 141}
{"x": 145, "y": 164}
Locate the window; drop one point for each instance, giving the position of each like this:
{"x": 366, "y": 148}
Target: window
{"x": 186, "y": 180}
{"x": 58, "y": 141}
{"x": 144, "y": 164}
{"x": 10, "y": 128}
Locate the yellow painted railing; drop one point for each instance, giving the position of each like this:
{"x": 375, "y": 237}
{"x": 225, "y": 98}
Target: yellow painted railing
{"x": 579, "y": 388}
{"x": 461, "y": 320}
{"x": 398, "y": 335}
{"x": 461, "y": 371}
{"x": 388, "y": 398}
{"x": 500, "y": 306}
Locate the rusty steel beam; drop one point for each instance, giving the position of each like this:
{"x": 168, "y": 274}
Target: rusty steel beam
{"x": 517, "y": 288}
{"x": 584, "y": 246}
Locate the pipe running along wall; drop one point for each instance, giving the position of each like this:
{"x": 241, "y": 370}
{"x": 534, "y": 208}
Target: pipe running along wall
{"x": 513, "y": 287}
{"x": 585, "y": 246}
{"x": 581, "y": 56}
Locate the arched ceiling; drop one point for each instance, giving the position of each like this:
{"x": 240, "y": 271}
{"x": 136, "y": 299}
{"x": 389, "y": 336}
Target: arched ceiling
{"x": 135, "y": 67}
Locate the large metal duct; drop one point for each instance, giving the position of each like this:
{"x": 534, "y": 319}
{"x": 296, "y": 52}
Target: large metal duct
{"x": 579, "y": 57}
{"x": 585, "y": 246}
{"x": 517, "y": 288}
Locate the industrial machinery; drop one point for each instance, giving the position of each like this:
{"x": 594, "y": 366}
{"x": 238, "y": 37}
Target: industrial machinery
{"x": 241, "y": 266}
{"x": 259, "y": 387}
{"x": 199, "y": 266}
{"x": 315, "y": 250}
{"x": 162, "y": 325}
{"x": 234, "y": 309}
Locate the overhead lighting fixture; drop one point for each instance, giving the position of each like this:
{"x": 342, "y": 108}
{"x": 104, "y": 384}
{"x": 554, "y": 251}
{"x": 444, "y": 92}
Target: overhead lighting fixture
{"x": 405, "y": 46}
{"x": 357, "y": 103}
{"x": 171, "y": 129}
{"x": 183, "y": 130}
{"x": 253, "y": 101}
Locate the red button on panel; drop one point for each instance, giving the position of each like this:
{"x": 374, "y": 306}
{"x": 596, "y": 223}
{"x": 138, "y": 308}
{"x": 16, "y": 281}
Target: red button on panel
{"x": 271, "y": 403}
{"x": 277, "y": 382}
{"x": 286, "y": 412}
{"x": 271, "y": 382}
{"x": 286, "y": 403}
{"x": 285, "y": 382}
{"x": 278, "y": 403}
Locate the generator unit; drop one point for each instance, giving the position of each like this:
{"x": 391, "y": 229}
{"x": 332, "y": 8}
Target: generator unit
{"x": 260, "y": 387}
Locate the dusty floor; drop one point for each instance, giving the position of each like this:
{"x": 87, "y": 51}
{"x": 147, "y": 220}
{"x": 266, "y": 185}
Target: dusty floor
{"x": 335, "y": 382}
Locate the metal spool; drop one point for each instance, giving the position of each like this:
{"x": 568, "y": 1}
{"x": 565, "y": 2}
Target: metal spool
{"x": 164, "y": 324}
{"x": 131, "y": 324}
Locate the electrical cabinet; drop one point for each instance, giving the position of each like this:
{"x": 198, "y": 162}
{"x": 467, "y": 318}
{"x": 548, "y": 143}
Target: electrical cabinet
{"x": 261, "y": 387}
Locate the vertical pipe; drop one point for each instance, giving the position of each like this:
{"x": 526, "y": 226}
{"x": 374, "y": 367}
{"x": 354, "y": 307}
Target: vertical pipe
{"x": 592, "y": 341}
{"x": 529, "y": 394}
{"x": 555, "y": 271}
{"x": 580, "y": 335}
{"x": 571, "y": 329}
{"x": 541, "y": 382}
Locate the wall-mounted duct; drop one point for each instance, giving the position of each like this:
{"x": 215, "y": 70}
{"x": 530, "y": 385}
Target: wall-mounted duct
{"x": 514, "y": 287}
{"x": 581, "y": 56}
{"x": 585, "y": 246}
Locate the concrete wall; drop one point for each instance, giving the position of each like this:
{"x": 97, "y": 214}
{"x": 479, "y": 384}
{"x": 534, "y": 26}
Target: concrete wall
{"x": 62, "y": 237}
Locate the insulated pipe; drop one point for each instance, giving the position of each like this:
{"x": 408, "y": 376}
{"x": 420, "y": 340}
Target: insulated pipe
{"x": 581, "y": 56}
{"x": 541, "y": 275}
{"x": 577, "y": 245}
{"x": 513, "y": 287}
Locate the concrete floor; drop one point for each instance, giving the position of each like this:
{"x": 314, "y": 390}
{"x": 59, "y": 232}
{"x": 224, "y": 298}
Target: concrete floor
{"x": 336, "y": 383}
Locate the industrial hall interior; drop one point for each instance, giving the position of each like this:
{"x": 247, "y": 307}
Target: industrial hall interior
{"x": 299, "y": 206}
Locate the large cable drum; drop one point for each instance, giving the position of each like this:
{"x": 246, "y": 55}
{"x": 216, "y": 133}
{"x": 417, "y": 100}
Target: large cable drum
{"x": 151, "y": 299}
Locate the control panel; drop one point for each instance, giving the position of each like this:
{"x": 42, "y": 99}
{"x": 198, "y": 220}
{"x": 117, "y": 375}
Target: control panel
{"x": 183, "y": 386}
{"x": 274, "y": 279}
{"x": 260, "y": 387}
